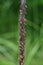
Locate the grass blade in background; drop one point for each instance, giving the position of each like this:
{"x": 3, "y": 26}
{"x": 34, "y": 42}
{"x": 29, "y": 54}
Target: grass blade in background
{"x": 9, "y": 44}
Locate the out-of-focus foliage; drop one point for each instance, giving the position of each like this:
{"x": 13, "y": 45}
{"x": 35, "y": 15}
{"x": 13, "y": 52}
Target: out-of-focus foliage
{"x": 9, "y": 32}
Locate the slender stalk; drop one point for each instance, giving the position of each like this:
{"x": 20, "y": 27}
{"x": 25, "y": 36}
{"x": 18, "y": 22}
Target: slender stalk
{"x": 22, "y": 32}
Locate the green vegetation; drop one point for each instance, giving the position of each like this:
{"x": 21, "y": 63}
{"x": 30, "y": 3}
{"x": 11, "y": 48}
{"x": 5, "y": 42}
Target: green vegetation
{"x": 9, "y": 32}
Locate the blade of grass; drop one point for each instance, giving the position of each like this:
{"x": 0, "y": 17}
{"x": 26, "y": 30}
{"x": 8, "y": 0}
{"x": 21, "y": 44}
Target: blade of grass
{"x": 6, "y": 62}
{"x": 33, "y": 51}
{"x": 30, "y": 23}
{"x": 9, "y": 44}
{"x": 9, "y": 35}
{"x": 5, "y": 53}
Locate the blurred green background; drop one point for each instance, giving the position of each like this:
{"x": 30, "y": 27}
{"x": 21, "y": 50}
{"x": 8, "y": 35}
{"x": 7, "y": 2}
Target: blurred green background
{"x": 9, "y": 32}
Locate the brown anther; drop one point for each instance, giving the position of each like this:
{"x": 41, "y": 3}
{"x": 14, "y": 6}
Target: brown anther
{"x": 21, "y": 56}
{"x": 22, "y": 63}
